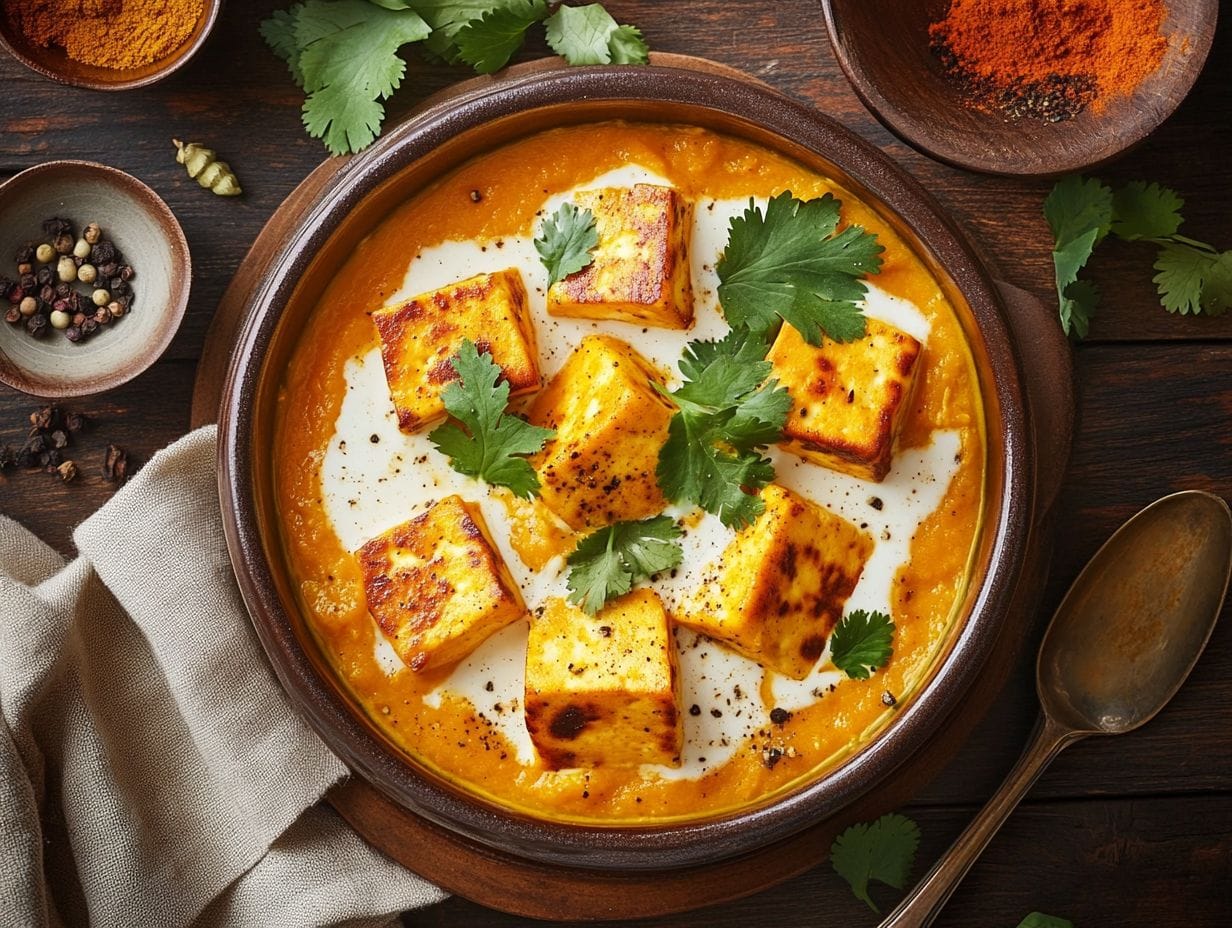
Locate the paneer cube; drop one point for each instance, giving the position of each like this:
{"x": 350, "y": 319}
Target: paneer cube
{"x": 780, "y": 586}
{"x": 604, "y": 690}
{"x": 610, "y": 424}
{"x": 437, "y": 586}
{"x": 848, "y": 401}
{"x": 640, "y": 271}
{"x": 419, "y": 339}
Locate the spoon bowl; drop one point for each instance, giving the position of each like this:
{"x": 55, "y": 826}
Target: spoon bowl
{"x": 1120, "y": 645}
{"x": 1133, "y": 624}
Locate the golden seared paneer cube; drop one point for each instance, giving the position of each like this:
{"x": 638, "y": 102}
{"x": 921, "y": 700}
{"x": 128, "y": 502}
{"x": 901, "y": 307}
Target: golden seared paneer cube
{"x": 437, "y": 586}
{"x": 604, "y": 690}
{"x": 420, "y": 337}
{"x": 848, "y": 400}
{"x": 610, "y": 424}
{"x": 780, "y": 586}
{"x": 640, "y": 272}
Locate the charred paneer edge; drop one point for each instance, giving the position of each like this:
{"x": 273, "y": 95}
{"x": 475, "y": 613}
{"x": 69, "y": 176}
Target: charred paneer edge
{"x": 420, "y": 337}
{"x": 604, "y": 690}
{"x": 640, "y": 272}
{"x": 437, "y": 586}
{"x": 849, "y": 400}
{"x": 610, "y": 424}
{"x": 779, "y": 588}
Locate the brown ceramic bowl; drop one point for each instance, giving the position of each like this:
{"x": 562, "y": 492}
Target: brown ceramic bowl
{"x": 412, "y": 156}
{"x": 883, "y": 47}
{"x": 145, "y": 231}
{"x": 53, "y": 63}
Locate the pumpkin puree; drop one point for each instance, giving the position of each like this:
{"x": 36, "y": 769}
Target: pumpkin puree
{"x": 452, "y": 739}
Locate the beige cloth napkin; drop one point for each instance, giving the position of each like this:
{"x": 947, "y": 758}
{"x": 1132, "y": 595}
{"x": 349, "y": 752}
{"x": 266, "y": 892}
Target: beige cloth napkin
{"x": 152, "y": 772}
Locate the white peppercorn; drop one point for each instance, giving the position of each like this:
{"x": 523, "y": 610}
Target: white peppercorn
{"x": 100, "y": 297}
{"x": 81, "y": 249}
{"x": 45, "y": 253}
{"x": 60, "y": 319}
{"x": 87, "y": 273}
{"x": 28, "y": 306}
{"x": 66, "y": 270}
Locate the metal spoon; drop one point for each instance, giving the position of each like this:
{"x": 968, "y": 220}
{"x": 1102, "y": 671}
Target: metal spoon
{"x": 1119, "y": 646}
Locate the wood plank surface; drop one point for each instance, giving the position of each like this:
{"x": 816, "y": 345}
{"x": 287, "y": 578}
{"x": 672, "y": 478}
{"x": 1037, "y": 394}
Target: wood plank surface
{"x": 1135, "y": 830}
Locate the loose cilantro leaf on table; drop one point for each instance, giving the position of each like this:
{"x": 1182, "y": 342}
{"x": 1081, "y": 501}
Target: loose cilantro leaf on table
{"x": 790, "y": 262}
{"x": 493, "y": 442}
{"x": 607, "y": 563}
{"x": 589, "y": 35}
{"x": 1040, "y": 920}
{"x": 883, "y": 850}
{"x": 487, "y": 43}
{"x": 1079, "y": 213}
{"x": 343, "y": 53}
{"x": 566, "y": 240}
{"x": 862, "y": 642}
{"x": 726, "y": 412}
{"x": 1193, "y": 277}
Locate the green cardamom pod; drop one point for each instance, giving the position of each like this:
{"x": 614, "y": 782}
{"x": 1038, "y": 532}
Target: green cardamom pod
{"x": 202, "y": 164}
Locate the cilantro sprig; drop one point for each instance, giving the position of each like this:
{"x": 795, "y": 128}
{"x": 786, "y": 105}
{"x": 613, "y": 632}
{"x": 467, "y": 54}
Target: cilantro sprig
{"x": 566, "y": 240}
{"x": 344, "y": 53}
{"x": 726, "y": 412}
{"x": 1040, "y": 920}
{"x": 493, "y": 442}
{"x": 607, "y": 563}
{"x": 883, "y": 850}
{"x": 861, "y": 643}
{"x": 791, "y": 262}
{"x": 1081, "y": 212}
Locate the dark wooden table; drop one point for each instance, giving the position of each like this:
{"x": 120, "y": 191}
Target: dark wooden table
{"x": 1131, "y": 831}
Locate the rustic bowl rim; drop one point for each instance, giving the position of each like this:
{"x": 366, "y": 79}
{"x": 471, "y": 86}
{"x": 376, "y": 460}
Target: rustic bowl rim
{"x": 597, "y": 846}
{"x": 180, "y": 284}
{"x": 914, "y": 132}
{"x": 172, "y": 63}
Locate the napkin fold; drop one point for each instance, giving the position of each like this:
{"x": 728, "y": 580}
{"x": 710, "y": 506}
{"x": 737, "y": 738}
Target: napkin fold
{"x": 152, "y": 771}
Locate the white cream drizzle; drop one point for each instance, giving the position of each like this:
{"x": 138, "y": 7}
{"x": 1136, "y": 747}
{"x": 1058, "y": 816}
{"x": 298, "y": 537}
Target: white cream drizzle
{"x": 374, "y": 476}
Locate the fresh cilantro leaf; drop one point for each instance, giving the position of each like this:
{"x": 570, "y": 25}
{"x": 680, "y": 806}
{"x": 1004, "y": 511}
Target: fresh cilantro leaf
{"x": 447, "y": 18}
{"x": 1078, "y": 303}
{"x": 789, "y": 262}
{"x": 581, "y": 34}
{"x": 348, "y": 63}
{"x": 393, "y": 4}
{"x": 726, "y": 410}
{"x": 862, "y": 642}
{"x": 492, "y": 445}
{"x": 1075, "y": 206}
{"x": 279, "y": 34}
{"x": 1217, "y": 285}
{"x": 1145, "y": 211}
{"x": 883, "y": 850}
{"x": 627, "y": 46}
{"x": 1040, "y": 920}
{"x": 1182, "y": 274}
{"x": 1079, "y": 213}
{"x": 607, "y": 563}
{"x": 487, "y": 43}
{"x": 566, "y": 239}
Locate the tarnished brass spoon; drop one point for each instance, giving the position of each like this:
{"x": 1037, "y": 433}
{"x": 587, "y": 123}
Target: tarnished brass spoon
{"x": 1119, "y": 646}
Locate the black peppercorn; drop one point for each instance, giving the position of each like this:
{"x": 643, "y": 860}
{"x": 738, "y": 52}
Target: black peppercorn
{"x": 45, "y": 276}
{"x": 106, "y": 269}
{"x": 13, "y": 315}
{"x": 89, "y": 326}
{"x": 126, "y": 272}
{"x": 63, "y": 290}
{"x": 73, "y": 333}
{"x": 104, "y": 253}
{"x": 36, "y": 325}
{"x": 56, "y": 225}
{"x": 28, "y": 283}
{"x": 25, "y": 254}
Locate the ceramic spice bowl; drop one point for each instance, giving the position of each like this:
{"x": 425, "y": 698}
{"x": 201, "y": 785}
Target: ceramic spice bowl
{"x": 150, "y": 239}
{"x": 52, "y": 62}
{"x": 883, "y": 47}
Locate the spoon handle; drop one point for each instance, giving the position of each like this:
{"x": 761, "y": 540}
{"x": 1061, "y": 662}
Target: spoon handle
{"x": 924, "y": 903}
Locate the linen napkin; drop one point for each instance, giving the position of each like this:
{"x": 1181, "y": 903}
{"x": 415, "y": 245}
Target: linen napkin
{"x": 152, "y": 771}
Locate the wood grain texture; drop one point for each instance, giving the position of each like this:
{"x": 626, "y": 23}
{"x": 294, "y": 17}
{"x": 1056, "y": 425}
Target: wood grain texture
{"x": 1120, "y": 831}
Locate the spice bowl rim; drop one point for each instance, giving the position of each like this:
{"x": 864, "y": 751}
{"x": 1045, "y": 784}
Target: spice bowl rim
{"x": 179, "y": 283}
{"x": 281, "y": 301}
{"x": 76, "y": 74}
{"x": 988, "y": 143}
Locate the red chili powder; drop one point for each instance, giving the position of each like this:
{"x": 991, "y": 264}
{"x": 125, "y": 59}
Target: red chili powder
{"x": 1018, "y": 53}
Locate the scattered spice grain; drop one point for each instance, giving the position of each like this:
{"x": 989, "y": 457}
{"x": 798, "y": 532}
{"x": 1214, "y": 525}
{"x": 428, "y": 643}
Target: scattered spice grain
{"x": 114, "y": 34}
{"x": 1049, "y": 59}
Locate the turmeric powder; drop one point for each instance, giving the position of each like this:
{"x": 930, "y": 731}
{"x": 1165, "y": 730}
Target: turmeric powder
{"x": 116, "y": 34}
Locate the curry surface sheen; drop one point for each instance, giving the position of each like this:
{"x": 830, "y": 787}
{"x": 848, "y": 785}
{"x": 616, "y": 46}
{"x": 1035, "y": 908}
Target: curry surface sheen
{"x": 445, "y": 719}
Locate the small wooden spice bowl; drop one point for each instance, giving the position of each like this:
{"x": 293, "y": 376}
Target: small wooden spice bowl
{"x": 146, "y": 233}
{"x": 883, "y": 47}
{"x": 53, "y": 63}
